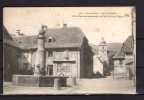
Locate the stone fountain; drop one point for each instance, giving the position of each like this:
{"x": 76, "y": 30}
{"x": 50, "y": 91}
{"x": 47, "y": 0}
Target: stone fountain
{"x": 39, "y": 78}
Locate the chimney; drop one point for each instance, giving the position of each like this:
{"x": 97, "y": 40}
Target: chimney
{"x": 19, "y": 32}
{"x": 42, "y": 30}
{"x": 44, "y": 27}
{"x": 64, "y": 25}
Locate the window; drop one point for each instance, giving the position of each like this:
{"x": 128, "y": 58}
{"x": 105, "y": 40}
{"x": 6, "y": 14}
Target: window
{"x": 50, "y": 69}
{"x": 66, "y": 54}
{"x": 50, "y": 53}
{"x": 26, "y": 66}
{"x": 63, "y": 68}
{"x": 67, "y": 68}
{"x": 121, "y": 62}
{"x": 58, "y": 67}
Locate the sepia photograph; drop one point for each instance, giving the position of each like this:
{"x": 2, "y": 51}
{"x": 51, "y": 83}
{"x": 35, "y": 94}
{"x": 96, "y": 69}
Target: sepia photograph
{"x": 69, "y": 50}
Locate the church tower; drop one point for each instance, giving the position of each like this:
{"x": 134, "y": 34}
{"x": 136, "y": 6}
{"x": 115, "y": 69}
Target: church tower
{"x": 102, "y": 50}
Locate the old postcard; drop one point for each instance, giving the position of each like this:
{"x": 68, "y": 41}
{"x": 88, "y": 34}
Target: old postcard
{"x": 69, "y": 50}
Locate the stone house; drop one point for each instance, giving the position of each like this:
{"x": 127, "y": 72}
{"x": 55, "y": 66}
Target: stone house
{"x": 113, "y": 49}
{"x": 10, "y": 55}
{"x": 66, "y": 53}
{"x": 124, "y": 60}
{"x": 120, "y": 70}
{"x": 129, "y": 56}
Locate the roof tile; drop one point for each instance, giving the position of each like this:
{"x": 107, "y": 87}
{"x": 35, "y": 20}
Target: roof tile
{"x": 64, "y": 37}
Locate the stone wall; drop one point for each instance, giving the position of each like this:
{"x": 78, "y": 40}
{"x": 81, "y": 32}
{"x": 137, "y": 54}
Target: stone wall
{"x": 120, "y": 69}
{"x": 10, "y": 61}
{"x": 86, "y": 60}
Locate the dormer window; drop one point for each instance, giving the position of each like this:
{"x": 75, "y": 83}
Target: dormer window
{"x": 50, "y": 39}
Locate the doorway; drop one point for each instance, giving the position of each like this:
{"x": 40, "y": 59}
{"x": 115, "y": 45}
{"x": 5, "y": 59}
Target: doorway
{"x": 50, "y": 69}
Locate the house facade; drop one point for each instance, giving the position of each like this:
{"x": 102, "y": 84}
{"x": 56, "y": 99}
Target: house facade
{"x": 124, "y": 60}
{"x": 62, "y": 52}
{"x": 120, "y": 70}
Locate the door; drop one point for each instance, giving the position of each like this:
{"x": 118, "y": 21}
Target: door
{"x": 50, "y": 69}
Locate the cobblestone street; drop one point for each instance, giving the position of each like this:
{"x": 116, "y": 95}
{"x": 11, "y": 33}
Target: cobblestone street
{"x": 85, "y": 86}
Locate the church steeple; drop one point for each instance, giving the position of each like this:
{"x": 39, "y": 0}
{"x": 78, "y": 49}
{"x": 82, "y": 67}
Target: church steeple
{"x": 102, "y": 51}
{"x": 102, "y": 41}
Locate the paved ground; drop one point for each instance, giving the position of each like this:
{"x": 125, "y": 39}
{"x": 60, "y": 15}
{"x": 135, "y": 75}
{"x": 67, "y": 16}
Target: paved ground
{"x": 85, "y": 86}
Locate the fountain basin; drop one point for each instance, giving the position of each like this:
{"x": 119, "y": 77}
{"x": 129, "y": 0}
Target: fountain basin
{"x": 38, "y": 81}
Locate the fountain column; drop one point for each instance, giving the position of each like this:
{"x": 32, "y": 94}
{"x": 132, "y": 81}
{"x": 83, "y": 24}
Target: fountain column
{"x": 40, "y": 55}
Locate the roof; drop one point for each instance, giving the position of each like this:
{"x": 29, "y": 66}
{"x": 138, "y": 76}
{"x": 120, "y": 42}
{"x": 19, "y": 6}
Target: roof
{"x": 128, "y": 45}
{"x": 6, "y": 35}
{"x": 94, "y": 48}
{"x": 7, "y": 38}
{"x": 112, "y": 48}
{"x": 11, "y": 43}
{"x": 129, "y": 61}
{"x": 119, "y": 54}
{"x": 64, "y": 38}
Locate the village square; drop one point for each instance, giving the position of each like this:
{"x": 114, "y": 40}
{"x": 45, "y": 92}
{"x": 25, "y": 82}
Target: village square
{"x": 61, "y": 60}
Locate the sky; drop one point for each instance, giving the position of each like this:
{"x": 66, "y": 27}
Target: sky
{"x": 112, "y": 23}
